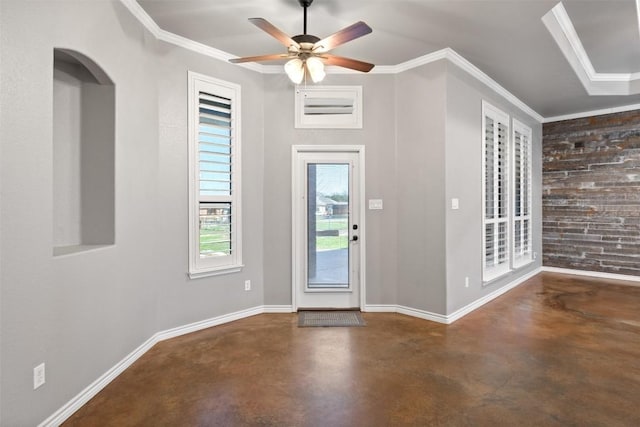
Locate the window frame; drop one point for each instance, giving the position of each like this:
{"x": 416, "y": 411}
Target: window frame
{"x": 198, "y": 266}
{"x": 526, "y": 256}
{"x": 498, "y": 270}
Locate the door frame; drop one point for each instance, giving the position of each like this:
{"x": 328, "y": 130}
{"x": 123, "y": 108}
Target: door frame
{"x": 297, "y": 216}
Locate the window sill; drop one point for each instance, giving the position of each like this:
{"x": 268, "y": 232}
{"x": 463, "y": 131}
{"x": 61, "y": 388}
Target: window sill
{"x": 215, "y": 272}
{"x": 523, "y": 263}
{"x": 493, "y": 275}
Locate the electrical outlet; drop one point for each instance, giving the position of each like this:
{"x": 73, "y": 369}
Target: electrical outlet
{"x": 466, "y": 282}
{"x": 247, "y": 285}
{"x": 38, "y": 376}
{"x": 535, "y": 255}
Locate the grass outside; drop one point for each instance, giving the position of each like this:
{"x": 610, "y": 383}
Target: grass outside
{"x": 327, "y": 243}
{"x": 323, "y": 223}
{"x": 214, "y": 240}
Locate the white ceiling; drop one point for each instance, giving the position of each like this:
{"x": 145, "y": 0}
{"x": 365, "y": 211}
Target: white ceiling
{"x": 504, "y": 38}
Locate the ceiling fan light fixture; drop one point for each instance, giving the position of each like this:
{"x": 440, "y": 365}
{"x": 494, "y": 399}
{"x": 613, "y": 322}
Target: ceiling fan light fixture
{"x": 316, "y": 69}
{"x": 295, "y": 70}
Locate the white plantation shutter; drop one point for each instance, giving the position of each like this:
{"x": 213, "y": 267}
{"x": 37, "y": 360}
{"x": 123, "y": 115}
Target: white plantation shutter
{"x": 215, "y": 244}
{"x": 521, "y": 138}
{"x": 495, "y": 184}
{"x": 215, "y": 171}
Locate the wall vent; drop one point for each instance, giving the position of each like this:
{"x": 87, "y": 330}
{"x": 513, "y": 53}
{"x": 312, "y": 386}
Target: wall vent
{"x": 329, "y": 107}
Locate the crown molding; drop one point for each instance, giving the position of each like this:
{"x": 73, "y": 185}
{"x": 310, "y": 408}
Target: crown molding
{"x": 592, "y": 113}
{"x": 446, "y": 53}
{"x": 564, "y": 33}
{"x": 139, "y": 13}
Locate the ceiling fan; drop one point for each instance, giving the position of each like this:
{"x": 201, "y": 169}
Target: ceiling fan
{"x": 307, "y": 53}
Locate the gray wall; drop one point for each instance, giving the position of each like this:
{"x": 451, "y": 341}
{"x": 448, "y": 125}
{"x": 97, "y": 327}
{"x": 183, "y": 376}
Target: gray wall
{"x": 421, "y": 118}
{"x": 464, "y": 181}
{"x": 378, "y": 137}
{"x": 82, "y": 313}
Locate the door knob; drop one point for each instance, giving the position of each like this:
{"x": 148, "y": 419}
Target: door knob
{"x": 354, "y": 238}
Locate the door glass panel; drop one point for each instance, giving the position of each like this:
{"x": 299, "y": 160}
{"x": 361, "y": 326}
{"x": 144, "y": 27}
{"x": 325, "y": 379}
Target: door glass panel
{"x": 327, "y": 225}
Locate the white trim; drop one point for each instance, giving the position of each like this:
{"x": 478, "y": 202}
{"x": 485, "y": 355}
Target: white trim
{"x": 422, "y": 314}
{"x": 379, "y": 308}
{"x": 458, "y": 314}
{"x": 69, "y": 408}
{"x": 492, "y": 272}
{"x": 199, "y": 267}
{"x": 584, "y": 114}
{"x": 554, "y": 21}
{"x": 138, "y": 12}
{"x": 328, "y": 121}
{"x": 598, "y": 274}
{"x": 446, "y": 53}
{"x": 564, "y": 33}
{"x": 526, "y": 134}
{"x": 359, "y": 150}
{"x": 216, "y": 272}
{"x": 474, "y": 71}
{"x": 278, "y": 309}
{"x": 208, "y": 323}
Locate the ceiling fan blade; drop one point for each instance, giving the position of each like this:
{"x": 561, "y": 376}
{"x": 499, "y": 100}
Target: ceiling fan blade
{"x": 271, "y": 29}
{"x": 347, "y": 34}
{"x": 258, "y": 58}
{"x": 354, "y": 64}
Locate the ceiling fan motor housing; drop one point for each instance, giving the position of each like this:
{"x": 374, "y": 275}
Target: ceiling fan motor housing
{"x": 305, "y": 38}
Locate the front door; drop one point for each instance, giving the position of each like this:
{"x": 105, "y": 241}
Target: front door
{"x": 327, "y": 228}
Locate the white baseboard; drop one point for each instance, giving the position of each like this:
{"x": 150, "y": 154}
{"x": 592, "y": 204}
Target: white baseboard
{"x": 409, "y": 311}
{"x": 598, "y": 274}
{"x": 423, "y": 314}
{"x": 62, "y": 414}
{"x": 489, "y": 297}
{"x": 278, "y": 309}
{"x": 458, "y": 314}
{"x": 208, "y": 323}
{"x": 380, "y": 308}
{"x": 94, "y": 388}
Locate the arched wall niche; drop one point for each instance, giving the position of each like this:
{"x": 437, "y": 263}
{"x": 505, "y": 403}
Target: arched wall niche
{"x": 83, "y": 154}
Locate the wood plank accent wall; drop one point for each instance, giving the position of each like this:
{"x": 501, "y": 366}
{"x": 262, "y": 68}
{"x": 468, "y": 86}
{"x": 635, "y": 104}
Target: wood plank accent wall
{"x": 591, "y": 193}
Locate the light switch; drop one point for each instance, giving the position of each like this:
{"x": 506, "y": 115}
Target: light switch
{"x": 455, "y": 204}
{"x": 375, "y": 204}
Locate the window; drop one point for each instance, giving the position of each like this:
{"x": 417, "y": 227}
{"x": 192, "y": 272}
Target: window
{"x": 215, "y": 243}
{"x": 495, "y": 125}
{"x": 328, "y": 107}
{"x": 521, "y": 140}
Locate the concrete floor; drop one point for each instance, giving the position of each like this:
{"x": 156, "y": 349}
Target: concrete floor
{"x": 556, "y": 351}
